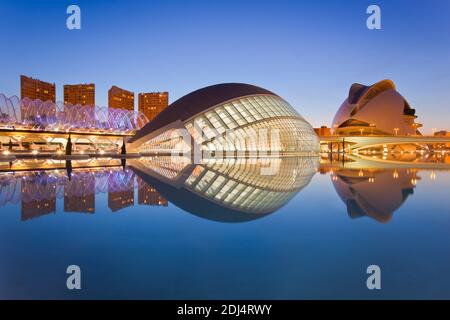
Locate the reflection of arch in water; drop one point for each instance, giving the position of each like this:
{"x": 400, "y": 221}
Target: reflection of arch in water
{"x": 42, "y": 185}
{"x": 10, "y": 190}
{"x": 377, "y": 194}
{"x": 230, "y": 190}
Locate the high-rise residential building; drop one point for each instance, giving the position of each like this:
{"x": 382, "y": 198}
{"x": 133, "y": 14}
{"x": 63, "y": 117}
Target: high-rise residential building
{"x": 83, "y": 94}
{"x": 152, "y": 103}
{"x": 120, "y": 98}
{"x": 37, "y": 89}
{"x": 323, "y": 131}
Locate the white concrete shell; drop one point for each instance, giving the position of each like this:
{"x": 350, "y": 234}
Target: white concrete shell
{"x": 376, "y": 109}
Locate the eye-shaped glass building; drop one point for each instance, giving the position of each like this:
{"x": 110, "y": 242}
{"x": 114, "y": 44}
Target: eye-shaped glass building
{"x": 231, "y": 117}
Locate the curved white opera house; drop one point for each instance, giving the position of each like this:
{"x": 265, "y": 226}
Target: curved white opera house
{"x": 376, "y": 109}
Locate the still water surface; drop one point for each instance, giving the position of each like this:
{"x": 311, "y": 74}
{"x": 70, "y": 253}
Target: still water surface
{"x": 162, "y": 230}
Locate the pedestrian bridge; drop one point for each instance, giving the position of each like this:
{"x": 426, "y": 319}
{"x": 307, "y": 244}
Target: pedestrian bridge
{"x": 367, "y": 141}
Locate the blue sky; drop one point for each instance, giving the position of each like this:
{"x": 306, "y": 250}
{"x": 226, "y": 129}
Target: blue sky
{"x": 307, "y": 52}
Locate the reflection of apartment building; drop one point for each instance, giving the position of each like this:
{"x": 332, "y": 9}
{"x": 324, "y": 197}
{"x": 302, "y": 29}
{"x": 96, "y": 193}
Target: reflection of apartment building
{"x": 79, "y": 194}
{"x": 152, "y": 103}
{"x": 83, "y": 94}
{"x": 35, "y": 208}
{"x": 121, "y": 199}
{"x": 120, "y": 98}
{"x": 149, "y": 196}
{"x": 37, "y": 89}
{"x": 82, "y": 204}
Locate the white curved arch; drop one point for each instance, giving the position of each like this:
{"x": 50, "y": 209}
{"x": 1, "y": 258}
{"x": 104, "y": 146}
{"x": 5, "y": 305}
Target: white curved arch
{"x": 40, "y": 115}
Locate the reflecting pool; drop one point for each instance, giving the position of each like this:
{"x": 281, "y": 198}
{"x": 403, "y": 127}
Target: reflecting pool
{"x": 273, "y": 228}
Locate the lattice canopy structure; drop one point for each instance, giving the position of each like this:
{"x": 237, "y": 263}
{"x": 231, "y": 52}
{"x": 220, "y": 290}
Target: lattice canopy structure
{"x": 38, "y": 115}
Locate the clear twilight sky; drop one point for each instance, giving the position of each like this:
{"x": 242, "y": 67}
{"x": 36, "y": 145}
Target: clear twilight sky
{"x": 308, "y": 52}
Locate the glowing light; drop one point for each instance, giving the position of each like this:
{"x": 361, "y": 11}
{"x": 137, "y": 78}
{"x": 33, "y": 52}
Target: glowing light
{"x": 35, "y": 152}
{"x": 395, "y": 174}
{"x": 433, "y": 175}
{"x": 6, "y": 152}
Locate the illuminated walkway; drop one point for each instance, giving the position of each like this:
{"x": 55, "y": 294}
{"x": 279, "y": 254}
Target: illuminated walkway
{"x": 365, "y": 162}
{"x": 358, "y": 142}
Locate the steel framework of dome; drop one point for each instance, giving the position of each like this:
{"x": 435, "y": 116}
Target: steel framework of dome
{"x": 230, "y": 117}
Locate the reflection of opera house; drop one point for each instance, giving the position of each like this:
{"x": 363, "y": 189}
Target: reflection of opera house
{"x": 376, "y": 109}
{"x": 229, "y": 118}
{"x": 376, "y": 194}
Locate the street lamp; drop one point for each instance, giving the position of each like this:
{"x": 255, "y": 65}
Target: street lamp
{"x": 361, "y": 131}
{"x": 396, "y": 131}
{"x": 415, "y": 125}
{"x": 371, "y": 128}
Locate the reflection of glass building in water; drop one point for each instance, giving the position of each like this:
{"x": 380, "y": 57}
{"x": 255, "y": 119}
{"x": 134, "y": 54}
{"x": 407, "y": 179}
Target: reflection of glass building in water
{"x": 375, "y": 109}
{"x": 231, "y": 118}
{"x": 374, "y": 193}
{"x": 229, "y": 190}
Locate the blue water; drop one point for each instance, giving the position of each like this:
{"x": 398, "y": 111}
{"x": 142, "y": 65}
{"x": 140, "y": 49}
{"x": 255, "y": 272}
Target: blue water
{"x": 308, "y": 249}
